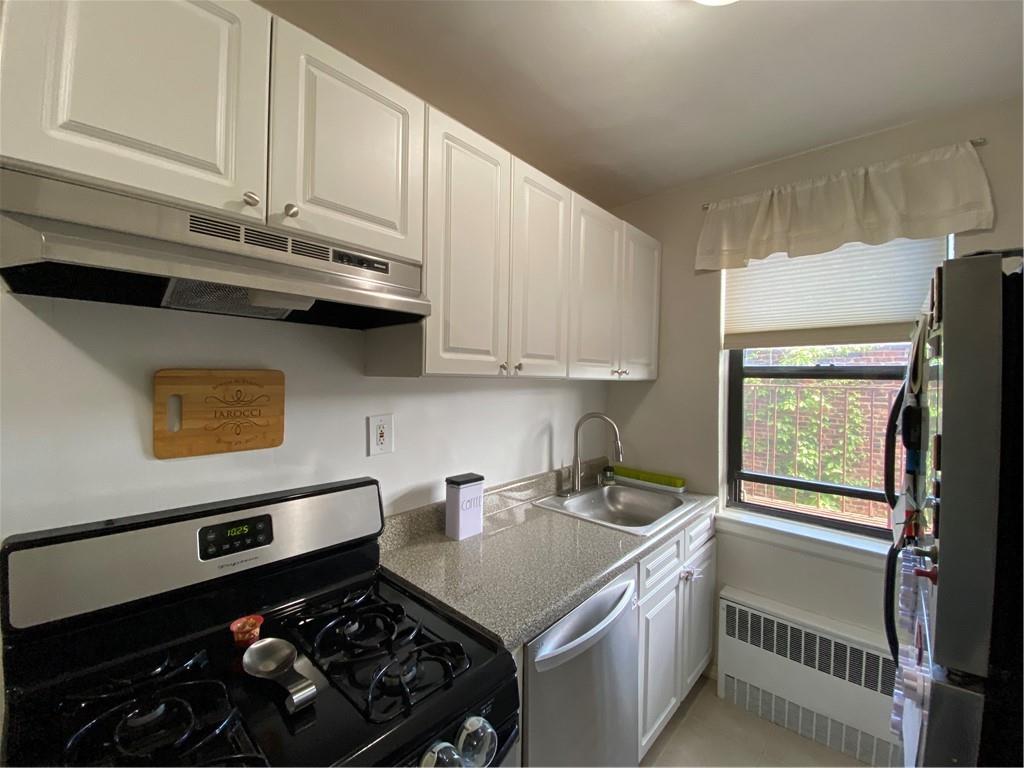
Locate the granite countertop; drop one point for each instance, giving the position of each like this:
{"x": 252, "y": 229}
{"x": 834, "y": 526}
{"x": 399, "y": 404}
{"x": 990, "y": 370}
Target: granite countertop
{"x": 528, "y": 568}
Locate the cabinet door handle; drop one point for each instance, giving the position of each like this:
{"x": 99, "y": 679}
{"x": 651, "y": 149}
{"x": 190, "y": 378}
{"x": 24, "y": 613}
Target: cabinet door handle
{"x": 291, "y": 210}
{"x": 517, "y": 369}
{"x": 624, "y": 372}
{"x": 616, "y": 372}
{"x": 504, "y": 368}
{"x": 251, "y": 198}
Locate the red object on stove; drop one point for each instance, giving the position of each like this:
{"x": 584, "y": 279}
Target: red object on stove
{"x": 246, "y": 629}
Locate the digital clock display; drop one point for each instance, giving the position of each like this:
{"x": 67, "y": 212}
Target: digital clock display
{"x": 223, "y": 539}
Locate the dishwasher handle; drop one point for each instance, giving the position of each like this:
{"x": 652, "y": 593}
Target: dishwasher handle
{"x": 549, "y": 659}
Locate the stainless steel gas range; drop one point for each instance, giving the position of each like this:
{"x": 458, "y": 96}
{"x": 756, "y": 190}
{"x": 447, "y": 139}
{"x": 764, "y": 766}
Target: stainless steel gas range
{"x": 118, "y": 647}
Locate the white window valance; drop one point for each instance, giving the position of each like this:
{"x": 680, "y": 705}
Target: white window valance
{"x": 929, "y": 194}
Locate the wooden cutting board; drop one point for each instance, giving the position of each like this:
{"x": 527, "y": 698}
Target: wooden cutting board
{"x": 216, "y": 411}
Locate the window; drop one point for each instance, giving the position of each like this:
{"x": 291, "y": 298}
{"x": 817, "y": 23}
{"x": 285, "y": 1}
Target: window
{"x": 807, "y": 431}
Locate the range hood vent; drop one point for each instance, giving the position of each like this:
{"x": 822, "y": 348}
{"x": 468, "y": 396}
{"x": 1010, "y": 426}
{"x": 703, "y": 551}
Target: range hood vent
{"x": 70, "y": 241}
{"x": 198, "y": 296}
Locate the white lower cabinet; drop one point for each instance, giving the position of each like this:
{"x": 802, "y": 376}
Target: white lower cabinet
{"x": 661, "y": 658}
{"x": 698, "y": 644}
{"x": 676, "y": 620}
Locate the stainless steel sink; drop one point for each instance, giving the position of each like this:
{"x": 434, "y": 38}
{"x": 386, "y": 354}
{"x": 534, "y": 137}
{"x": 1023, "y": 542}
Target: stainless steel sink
{"x": 634, "y": 510}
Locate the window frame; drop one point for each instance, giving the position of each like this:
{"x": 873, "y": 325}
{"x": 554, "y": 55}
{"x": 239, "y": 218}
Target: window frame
{"x": 737, "y": 373}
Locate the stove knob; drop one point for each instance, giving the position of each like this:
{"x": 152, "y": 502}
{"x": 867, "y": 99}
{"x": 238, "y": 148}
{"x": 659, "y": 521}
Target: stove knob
{"x": 441, "y": 753}
{"x": 477, "y": 742}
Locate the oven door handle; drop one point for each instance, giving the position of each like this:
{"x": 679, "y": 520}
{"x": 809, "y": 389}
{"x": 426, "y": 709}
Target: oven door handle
{"x": 549, "y": 659}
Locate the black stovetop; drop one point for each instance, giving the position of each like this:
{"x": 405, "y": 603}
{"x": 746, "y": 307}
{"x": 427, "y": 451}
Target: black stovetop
{"x": 392, "y": 674}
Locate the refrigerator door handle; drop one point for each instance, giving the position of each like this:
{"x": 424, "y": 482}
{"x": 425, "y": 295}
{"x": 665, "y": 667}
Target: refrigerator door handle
{"x": 889, "y": 455}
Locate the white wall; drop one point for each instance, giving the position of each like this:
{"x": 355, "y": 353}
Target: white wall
{"x": 679, "y": 417}
{"x": 76, "y": 415}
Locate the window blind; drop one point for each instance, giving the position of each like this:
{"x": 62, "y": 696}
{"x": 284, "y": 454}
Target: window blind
{"x": 856, "y": 293}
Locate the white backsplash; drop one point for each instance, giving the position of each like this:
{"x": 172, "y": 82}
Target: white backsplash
{"x": 76, "y": 415}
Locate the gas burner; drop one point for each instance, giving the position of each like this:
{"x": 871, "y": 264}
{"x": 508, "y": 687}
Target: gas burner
{"x": 153, "y": 727}
{"x": 140, "y": 676}
{"x": 360, "y": 629}
{"x": 402, "y": 680}
{"x": 186, "y": 723}
{"x": 398, "y": 674}
{"x": 382, "y": 659}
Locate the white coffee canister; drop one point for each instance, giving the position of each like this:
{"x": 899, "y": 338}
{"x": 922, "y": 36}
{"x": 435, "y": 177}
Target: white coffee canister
{"x": 464, "y": 508}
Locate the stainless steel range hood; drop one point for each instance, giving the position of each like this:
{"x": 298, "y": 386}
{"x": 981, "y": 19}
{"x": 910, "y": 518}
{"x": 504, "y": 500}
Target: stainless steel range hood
{"x": 72, "y": 241}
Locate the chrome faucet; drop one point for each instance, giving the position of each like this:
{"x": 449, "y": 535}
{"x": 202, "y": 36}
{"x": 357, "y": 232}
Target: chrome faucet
{"x": 576, "y": 472}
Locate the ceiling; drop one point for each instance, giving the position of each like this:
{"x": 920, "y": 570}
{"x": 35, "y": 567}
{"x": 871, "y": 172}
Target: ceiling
{"x": 621, "y": 99}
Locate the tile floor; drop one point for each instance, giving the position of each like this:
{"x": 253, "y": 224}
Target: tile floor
{"x": 708, "y": 731}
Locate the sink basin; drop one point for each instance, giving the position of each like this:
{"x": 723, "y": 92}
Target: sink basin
{"x": 634, "y": 510}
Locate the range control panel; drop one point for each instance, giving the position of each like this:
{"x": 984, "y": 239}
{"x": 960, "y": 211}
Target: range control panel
{"x": 225, "y": 539}
{"x": 361, "y": 261}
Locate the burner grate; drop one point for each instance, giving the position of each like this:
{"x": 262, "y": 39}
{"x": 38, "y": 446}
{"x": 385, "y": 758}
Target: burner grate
{"x": 383, "y": 660}
{"x": 151, "y": 716}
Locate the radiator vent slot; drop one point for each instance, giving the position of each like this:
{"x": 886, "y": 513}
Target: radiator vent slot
{"x": 312, "y": 250}
{"x": 796, "y": 643}
{"x": 815, "y": 726}
{"x": 730, "y": 621}
{"x": 810, "y": 650}
{"x": 872, "y": 666}
{"x": 266, "y": 240}
{"x": 839, "y": 654}
{"x": 856, "y": 672}
{"x": 781, "y": 638}
{"x": 824, "y": 655}
{"x": 888, "y": 677}
{"x": 768, "y": 635}
{"x": 202, "y": 225}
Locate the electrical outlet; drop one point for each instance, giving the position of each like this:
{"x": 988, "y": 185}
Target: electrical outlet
{"x": 381, "y": 433}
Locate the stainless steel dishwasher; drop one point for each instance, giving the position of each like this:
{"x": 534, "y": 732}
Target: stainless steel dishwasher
{"x": 581, "y": 687}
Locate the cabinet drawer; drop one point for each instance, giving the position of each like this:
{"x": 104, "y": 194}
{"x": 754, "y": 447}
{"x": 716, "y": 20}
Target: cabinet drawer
{"x": 661, "y": 563}
{"x": 700, "y": 530}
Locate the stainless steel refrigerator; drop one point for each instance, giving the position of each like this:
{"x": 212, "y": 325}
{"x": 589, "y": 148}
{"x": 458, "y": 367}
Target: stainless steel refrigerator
{"x": 952, "y": 598}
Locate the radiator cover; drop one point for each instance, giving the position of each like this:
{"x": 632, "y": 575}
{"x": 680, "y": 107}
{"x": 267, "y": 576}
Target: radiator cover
{"x": 806, "y": 674}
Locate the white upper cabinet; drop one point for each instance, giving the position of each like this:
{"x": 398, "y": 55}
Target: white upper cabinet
{"x": 595, "y": 292}
{"x": 541, "y": 237}
{"x": 614, "y": 294}
{"x": 640, "y": 302}
{"x": 168, "y": 98}
{"x": 346, "y": 155}
{"x": 469, "y": 186}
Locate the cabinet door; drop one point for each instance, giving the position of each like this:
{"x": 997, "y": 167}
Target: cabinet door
{"x": 594, "y": 293}
{"x": 699, "y": 614}
{"x": 661, "y": 657}
{"x": 167, "y": 98}
{"x": 640, "y": 302}
{"x": 539, "y": 317}
{"x": 346, "y": 149}
{"x": 468, "y": 206}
